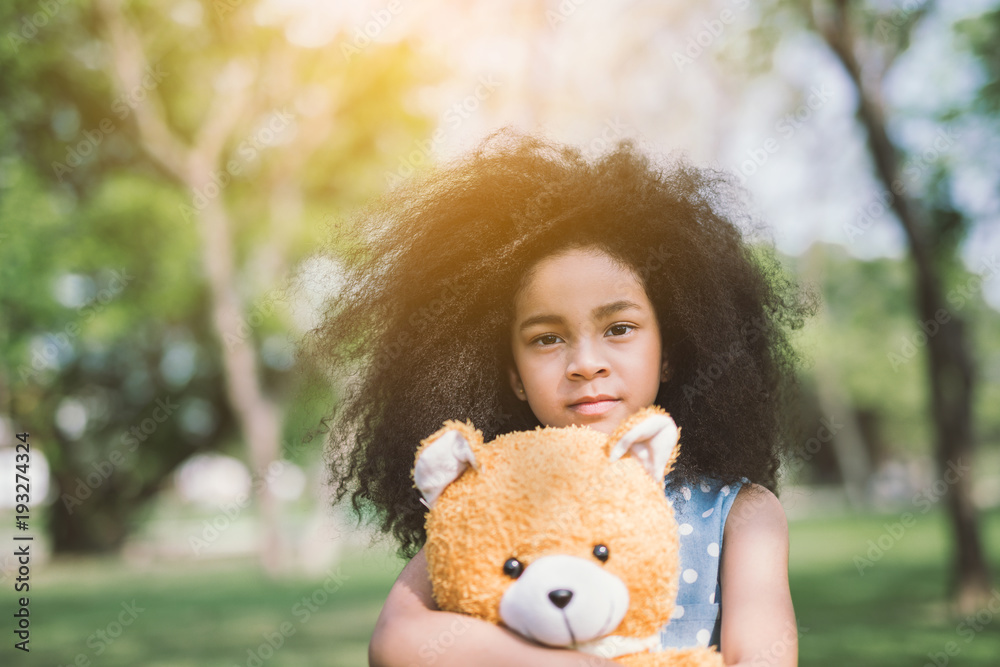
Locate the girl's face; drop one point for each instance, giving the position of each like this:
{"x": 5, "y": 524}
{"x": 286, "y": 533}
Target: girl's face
{"x": 586, "y": 342}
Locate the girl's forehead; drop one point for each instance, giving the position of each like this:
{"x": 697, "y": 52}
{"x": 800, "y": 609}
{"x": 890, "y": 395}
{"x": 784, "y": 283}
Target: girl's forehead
{"x": 580, "y": 281}
{"x": 590, "y": 265}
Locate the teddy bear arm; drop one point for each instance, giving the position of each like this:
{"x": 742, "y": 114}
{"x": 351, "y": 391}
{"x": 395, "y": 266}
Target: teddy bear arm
{"x": 674, "y": 657}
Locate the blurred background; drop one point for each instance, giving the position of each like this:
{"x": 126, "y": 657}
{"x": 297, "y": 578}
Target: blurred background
{"x": 168, "y": 171}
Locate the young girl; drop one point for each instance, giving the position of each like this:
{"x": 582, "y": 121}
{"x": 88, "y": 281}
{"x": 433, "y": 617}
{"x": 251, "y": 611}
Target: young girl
{"x": 526, "y": 285}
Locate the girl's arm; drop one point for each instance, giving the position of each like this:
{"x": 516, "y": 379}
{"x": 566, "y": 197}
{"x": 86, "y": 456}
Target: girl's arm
{"x": 758, "y": 621}
{"x": 412, "y": 631}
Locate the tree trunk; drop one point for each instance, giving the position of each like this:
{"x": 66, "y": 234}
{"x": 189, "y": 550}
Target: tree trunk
{"x": 950, "y": 370}
{"x": 952, "y": 383}
{"x": 847, "y": 444}
{"x": 257, "y": 415}
{"x": 192, "y": 166}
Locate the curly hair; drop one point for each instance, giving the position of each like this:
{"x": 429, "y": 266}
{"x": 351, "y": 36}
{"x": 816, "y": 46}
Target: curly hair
{"x": 422, "y": 322}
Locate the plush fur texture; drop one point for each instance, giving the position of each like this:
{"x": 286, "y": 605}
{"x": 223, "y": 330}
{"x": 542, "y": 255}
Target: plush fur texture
{"x": 529, "y": 495}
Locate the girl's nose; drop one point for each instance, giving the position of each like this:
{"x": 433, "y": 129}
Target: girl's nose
{"x": 585, "y": 361}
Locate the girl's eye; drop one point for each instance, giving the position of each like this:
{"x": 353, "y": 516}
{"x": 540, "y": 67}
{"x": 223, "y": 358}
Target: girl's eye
{"x": 620, "y": 327}
{"x": 546, "y": 337}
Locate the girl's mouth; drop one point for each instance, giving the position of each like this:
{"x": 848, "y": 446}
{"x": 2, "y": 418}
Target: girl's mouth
{"x": 595, "y": 407}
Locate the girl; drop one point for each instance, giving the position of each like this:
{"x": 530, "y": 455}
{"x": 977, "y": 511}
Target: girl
{"x": 526, "y": 285}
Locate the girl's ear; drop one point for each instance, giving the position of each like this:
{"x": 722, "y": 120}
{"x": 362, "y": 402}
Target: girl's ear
{"x": 651, "y": 437}
{"x": 443, "y": 457}
{"x": 516, "y": 384}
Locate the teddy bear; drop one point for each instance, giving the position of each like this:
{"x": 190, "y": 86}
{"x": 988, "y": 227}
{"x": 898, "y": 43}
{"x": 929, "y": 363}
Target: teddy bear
{"x": 561, "y": 534}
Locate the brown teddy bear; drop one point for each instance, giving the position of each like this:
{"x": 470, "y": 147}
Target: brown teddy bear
{"x": 563, "y": 535}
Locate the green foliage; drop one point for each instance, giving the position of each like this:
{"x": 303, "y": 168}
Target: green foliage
{"x": 102, "y": 283}
{"x": 866, "y": 333}
{"x": 981, "y": 36}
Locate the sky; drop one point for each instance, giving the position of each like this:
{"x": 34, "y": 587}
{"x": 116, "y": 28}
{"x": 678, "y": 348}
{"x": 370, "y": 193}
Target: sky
{"x": 671, "y": 78}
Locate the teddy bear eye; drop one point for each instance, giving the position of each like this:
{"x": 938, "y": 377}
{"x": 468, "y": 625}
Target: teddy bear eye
{"x": 601, "y": 552}
{"x": 513, "y": 568}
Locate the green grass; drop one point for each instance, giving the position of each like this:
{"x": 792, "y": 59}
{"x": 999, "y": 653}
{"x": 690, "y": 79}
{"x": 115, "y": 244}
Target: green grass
{"x": 202, "y": 615}
{"x": 213, "y": 614}
{"x": 893, "y": 612}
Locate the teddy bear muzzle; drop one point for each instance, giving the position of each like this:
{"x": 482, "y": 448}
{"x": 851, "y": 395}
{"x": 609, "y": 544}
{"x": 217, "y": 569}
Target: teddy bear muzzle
{"x": 564, "y": 600}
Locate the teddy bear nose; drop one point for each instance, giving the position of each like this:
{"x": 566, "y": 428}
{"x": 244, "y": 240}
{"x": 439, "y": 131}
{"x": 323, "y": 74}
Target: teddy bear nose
{"x": 561, "y": 597}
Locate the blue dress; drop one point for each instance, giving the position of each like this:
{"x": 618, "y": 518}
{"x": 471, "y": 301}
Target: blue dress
{"x": 700, "y": 510}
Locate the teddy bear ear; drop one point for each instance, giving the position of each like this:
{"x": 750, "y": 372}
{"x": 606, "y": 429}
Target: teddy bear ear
{"x": 443, "y": 457}
{"x": 651, "y": 438}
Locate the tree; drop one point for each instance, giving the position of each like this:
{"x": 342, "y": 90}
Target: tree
{"x": 867, "y": 44}
{"x": 238, "y": 143}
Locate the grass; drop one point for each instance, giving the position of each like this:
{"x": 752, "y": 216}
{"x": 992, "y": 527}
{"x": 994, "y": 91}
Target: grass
{"x": 202, "y": 615}
{"x": 893, "y": 611}
{"x": 220, "y": 614}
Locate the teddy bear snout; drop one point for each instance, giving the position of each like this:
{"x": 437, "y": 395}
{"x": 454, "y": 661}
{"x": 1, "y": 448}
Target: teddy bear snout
{"x": 562, "y": 600}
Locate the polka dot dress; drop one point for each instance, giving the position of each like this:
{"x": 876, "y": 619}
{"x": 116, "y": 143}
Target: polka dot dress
{"x": 700, "y": 510}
